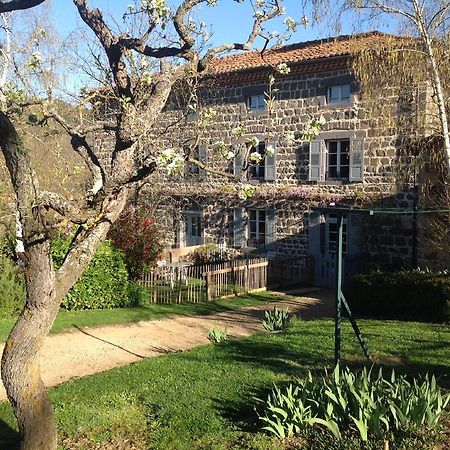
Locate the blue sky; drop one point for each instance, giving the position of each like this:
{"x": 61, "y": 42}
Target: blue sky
{"x": 228, "y": 20}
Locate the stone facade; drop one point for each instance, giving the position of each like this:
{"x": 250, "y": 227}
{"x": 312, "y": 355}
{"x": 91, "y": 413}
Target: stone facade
{"x": 285, "y": 197}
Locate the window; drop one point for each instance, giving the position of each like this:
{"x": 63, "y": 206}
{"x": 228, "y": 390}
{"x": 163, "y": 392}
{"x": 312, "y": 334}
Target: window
{"x": 339, "y": 94}
{"x": 264, "y": 170}
{"x": 199, "y": 154}
{"x": 258, "y": 171}
{"x": 333, "y": 233}
{"x": 193, "y": 228}
{"x": 256, "y": 103}
{"x": 257, "y": 227}
{"x": 338, "y": 159}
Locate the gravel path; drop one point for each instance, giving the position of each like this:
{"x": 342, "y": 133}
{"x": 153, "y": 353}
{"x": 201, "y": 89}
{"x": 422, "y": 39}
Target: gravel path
{"x": 85, "y": 351}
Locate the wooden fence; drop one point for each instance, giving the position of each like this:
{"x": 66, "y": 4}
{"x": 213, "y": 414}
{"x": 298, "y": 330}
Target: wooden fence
{"x": 184, "y": 283}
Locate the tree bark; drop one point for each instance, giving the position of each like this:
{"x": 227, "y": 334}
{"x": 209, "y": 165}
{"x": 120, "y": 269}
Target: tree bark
{"x": 21, "y": 373}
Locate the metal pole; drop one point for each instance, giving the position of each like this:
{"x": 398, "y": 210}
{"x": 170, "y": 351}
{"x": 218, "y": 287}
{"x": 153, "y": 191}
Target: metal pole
{"x": 337, "y": 324}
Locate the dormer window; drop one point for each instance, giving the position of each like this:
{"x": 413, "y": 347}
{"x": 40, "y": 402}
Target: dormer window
{"x": 339, "y": 94}
{"x": 256, "y": 103}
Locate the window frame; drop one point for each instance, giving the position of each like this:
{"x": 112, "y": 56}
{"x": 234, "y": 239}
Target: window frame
{"x": 259, "y": 240}
{"x": 331, "y": 222}
{"x": 340, "y": 100}
{"x": 190, "y": 239}
{"x": 338, "y": 164}
{"x": 260, "y": 107}
{"x": 254, "y": 170}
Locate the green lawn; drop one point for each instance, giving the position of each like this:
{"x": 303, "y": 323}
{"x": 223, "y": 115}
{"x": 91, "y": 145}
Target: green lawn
{"x": 91, "y": 318}
{"x": 204, "y": 398}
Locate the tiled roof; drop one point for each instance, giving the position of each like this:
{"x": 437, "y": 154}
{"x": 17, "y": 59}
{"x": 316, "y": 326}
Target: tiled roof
{"x": 310, "y": 51}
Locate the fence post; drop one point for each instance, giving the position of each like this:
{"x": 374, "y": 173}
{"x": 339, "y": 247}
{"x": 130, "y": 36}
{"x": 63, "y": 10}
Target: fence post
{"x": 154, "y": 278}
{"x": 246, "y": 276}
{"x": 208, "y": 286}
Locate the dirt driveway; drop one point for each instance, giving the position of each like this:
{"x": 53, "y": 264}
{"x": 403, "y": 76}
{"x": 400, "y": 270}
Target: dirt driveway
{"x": 85, "y": 351}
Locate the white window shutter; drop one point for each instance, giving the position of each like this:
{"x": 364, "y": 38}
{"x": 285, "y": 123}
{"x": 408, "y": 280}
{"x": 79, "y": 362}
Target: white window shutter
{"x": 270, "y": 163}
{"x": 237, "y": 163}
{"x": 356, "y": 160}
{"x": 315, "y": 161}
{"x": 271, "y": 230}
{"x": 238, "y": 228}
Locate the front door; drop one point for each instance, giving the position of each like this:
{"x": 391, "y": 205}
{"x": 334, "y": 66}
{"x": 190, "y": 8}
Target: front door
{"x": 323, "y": 244}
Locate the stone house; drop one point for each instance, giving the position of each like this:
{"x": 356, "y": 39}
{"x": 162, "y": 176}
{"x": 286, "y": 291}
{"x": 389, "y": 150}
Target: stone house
{"x": 353, "y": 161}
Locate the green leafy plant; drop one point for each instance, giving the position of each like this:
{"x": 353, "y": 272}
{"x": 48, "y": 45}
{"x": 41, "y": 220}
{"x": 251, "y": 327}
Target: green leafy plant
{"x": 366, "y": 403}
{"x": 12, "y": 287}
{"x": 420, "y": 295}
{"x": 276, "y": 319}
{"x": 104, "y": 284}
{"x": 217, "y": 335}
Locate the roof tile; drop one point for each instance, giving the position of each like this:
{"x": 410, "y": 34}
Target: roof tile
{"x": 301, "y": 52}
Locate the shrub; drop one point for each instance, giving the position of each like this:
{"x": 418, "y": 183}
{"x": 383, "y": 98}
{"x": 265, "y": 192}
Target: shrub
{"x": 216, "y": 335}
{"x": 138, "y": 295}
{"x": 276, "y": 319}
{"x": 137, "y": 235}
{"x": 370, "y": 405}
{"x": 212, "y": 253}
{"x": 104, "y": 283}
{"x": 12, "y": 287}
{"x": 418, "y": 295}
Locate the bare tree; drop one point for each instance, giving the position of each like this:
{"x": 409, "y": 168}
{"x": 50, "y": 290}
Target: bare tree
{"x": 136, "y": 104}
{"x": 427, "y": 22}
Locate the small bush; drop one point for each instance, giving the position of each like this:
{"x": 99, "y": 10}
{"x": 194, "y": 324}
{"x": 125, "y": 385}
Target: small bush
{"x": 137, "y": 235}
{"x": 369, "y": 404}
{"x": 138, "y": 295}
{"x": 216, "y": 335}
{"x": 417, "y": 295}
{"x": 276, "y": 319}
{"x": 212, "y": 253}
{"x": 12, "y": 287}
{"x": 104, "y": 283}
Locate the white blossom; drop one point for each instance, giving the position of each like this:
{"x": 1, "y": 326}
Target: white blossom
{"x": 283, "y": 68}
{"x": 270, "y": 150}
{"x": 290, "y": 136}
{"x": 254, "y": 141}
{"x": 238, "y": 131}
{"x": 230, "y": 155}
{"x": 219, "y": 146}
{"x": 259, "y": 3}
{"x": 290, "y": 23}
{"x": 255, "y": 157}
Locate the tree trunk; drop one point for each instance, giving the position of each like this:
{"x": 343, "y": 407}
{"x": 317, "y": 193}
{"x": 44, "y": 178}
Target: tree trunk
{"x": 20, "y": 365}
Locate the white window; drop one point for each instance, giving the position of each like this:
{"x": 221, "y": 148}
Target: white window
{"x": 258, "y": 171}
{"x": 338, "y": 163}
{"x": 193, "y": 228}
{"x": 256, "y": 227}
{"x": 339, "y": 94}
{"x": 256, "y": 103}
{"x": 336, "y": 159}
{"x": 264, "y": 170}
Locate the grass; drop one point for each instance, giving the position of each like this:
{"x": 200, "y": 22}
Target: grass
{"x": 204, "y": 398}
{"x": 92, "y": 318}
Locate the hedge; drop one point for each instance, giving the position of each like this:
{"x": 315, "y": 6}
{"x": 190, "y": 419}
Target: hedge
{"x": 104, "y": 283}
{"x": 414, "y": 295}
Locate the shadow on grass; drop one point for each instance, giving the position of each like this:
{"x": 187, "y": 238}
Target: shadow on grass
{"x": 9, "y": 438}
